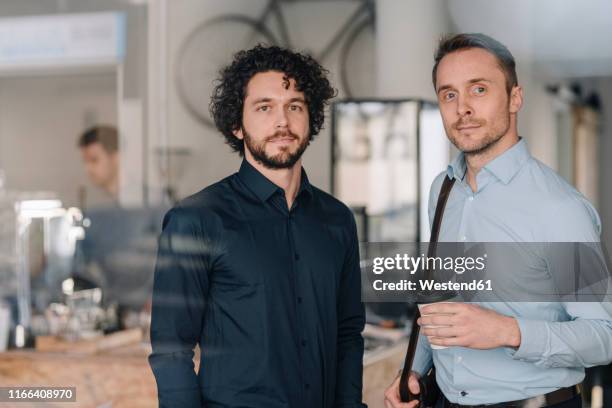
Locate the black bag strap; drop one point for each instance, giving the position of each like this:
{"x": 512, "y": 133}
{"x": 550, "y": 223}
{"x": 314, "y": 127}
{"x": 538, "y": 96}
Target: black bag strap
{"x": 447, "y": 186}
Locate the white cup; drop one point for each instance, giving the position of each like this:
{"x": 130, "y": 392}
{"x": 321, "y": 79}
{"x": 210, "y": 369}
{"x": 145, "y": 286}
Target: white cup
{"x": 432, "y": 326}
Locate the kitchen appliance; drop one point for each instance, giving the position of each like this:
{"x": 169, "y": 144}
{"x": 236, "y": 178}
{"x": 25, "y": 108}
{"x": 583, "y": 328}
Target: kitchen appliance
{"x": 37, "y": 246}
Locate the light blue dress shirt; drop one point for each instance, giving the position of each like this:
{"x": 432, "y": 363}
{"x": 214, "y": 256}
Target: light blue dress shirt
{"x": 519, "y": 199}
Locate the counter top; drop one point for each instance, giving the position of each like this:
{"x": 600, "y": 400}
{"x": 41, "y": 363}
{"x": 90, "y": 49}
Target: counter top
{"x": 115, "y": 378}
{"x": 121, "y": 377}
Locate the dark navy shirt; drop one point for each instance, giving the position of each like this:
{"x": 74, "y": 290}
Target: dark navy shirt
{"x": 270, "y": 294}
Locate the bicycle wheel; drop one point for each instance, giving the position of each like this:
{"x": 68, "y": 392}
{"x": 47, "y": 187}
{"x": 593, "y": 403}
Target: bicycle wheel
{"x": 206, "y": 50}
{"x": 358, "y": 62}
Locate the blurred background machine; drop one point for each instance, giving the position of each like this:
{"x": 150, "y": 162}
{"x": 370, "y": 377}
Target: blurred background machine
{"x": 63, "y": 273}
{"x": 38, "y": 240}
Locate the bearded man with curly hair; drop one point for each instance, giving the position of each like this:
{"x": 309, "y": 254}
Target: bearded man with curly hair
{"x": 261, "y": 269}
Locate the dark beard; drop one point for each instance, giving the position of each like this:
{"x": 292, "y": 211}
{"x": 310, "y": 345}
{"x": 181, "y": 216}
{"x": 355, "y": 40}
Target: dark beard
{"x": 281, "y": 160}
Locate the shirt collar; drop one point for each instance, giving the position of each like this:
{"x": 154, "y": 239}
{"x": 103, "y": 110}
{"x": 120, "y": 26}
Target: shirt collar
{"x": 504, "y": 167}
{"x": 457, "y": 167}
{"x": 262, "y": 187}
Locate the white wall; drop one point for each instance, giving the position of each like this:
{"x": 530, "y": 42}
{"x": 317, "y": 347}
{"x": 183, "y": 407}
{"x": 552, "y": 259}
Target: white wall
{"x": 407, "y": 35}
{"x": 41, "y": 118}
{"x": 536, "y": 120}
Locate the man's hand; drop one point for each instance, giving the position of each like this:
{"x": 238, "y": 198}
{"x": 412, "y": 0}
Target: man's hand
{"x": 468, "y": 326}
{"x": 392, "y": 394}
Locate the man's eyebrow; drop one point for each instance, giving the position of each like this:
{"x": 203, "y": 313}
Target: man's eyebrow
{"x": 443, "y": 88}
{"x": 266, "y": 99}
{"x": 471, "y": 81}
{"x": 474, "y": 80}
{"x": 261, "y": 100}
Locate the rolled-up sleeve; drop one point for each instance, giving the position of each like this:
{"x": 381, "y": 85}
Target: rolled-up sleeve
{"x": 180, "y": 287}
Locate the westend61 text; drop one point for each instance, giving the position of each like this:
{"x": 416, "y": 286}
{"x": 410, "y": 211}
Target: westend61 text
{"x": 429, "y": 285}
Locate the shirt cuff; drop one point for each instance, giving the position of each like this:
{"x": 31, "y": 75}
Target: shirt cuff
{"x": 534, "y": 338}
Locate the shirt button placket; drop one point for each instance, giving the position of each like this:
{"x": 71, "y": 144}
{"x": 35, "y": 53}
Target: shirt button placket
{"x": 299, "y": 299}
{"x": 296, "y": 257}
{"x": 462, "y": 236}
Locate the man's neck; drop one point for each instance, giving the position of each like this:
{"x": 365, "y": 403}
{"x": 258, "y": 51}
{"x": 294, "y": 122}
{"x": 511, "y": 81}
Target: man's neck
{"x": 476, "y": 161}
{"x": 112, "y": 187}
{"x": 288, "y": 179}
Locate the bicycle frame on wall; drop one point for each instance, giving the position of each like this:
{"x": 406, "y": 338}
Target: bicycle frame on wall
{"x": 211, "y": 44}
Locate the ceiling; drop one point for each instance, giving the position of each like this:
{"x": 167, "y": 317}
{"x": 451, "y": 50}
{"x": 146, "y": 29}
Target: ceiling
{"x": 563, "y": 38}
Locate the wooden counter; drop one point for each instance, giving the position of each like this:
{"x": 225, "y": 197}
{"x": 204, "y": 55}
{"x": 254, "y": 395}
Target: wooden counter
{"x": 118, "y": 378}
{"x": 379, "y": 370}
{"x": 122, "y": 378}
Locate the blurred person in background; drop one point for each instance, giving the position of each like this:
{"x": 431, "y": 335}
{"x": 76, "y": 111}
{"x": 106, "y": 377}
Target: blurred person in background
{"x": 99, "y": 146}
{"x": 261, "y": 269}
{"x": 119, "y": 248}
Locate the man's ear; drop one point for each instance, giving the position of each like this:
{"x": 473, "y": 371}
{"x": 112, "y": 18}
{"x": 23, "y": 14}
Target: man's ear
{"x": 238, "y": 133}
{"x": 516, "y": 99}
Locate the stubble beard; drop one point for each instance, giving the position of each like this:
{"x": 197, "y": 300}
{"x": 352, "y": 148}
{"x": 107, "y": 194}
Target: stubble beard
{"x": 489, "y": 140}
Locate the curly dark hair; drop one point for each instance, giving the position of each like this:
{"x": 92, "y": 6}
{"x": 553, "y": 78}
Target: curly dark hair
{"x": 227, "y": 100}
